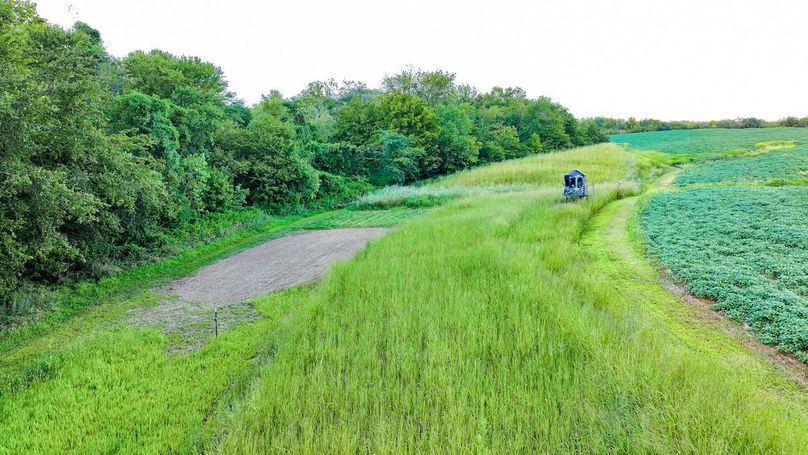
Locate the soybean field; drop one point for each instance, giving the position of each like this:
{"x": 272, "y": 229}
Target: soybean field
{"x": 735, "y": 230}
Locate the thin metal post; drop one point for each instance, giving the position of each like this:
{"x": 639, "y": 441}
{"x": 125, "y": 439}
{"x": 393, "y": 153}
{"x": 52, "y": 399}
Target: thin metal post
{"x": 216, "y": 322}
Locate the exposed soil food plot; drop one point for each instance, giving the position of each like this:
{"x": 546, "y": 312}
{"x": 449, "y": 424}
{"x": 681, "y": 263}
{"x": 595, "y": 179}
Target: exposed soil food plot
{"x": 229, "y": 283}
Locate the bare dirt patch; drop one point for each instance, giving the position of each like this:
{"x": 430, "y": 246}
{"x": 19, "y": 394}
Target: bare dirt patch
{"x": 227, "y": 285}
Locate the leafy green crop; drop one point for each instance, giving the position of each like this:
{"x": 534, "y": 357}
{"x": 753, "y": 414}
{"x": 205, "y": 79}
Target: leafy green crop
{"x": 744, "y": 247}
{"x": 708, "y": 141}
{"x": 774, "y": 167}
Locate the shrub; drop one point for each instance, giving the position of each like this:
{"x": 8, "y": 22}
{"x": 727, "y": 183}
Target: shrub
{"x": 337, "y": 191}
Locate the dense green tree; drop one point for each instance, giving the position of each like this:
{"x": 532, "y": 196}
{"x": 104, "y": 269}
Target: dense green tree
{"x": 431, "y": 86}
{"x": 102, "y": 158}
{"x": 196, "y": 88}
{"x": 335, "y": 90}
{"x": 502, "y": 143}
{"x": 340, "y": 158}
{"x": 412, "y": 117}
{"x": 151, "y": 115}
{"x": 499, "y": 96}
{"x": 264, "y": 159}
{"x": 339, "y": 190}
{"x": 498, "y": 141}
{"x": 109, "y": 68}
{"x": 238, "y": 114}
{"x": 169, "y": 77}
{"x": 593, "y": 132}
{"x": 546, "y": 119}
{"x": 465, "y": 93}
{"x": 393, "y": 159}
{"x": 573, "y": 128}
{"x": 71, "y": 195}
{"x": 632, "y": 125}
{"x": 180, "y": 103}
{"x": 358, "y": 121}
{"x": 313, "y": 113}
{"x": 195, "y": 185}
{"x": 457, "y": 144}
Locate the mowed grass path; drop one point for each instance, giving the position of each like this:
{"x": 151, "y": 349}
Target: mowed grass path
{"x": 490, "y": 327}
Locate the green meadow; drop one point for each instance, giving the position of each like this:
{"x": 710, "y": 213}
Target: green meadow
{"x": 497, "y": 319}
{"x": 494, "y": 311}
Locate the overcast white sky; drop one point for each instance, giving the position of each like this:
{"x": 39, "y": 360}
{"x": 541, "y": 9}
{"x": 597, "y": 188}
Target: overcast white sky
{"x": 684, "y": 59}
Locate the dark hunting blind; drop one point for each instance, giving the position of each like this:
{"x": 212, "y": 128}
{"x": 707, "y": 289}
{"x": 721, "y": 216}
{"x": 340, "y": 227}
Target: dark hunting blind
{"x": 575, "y": 185}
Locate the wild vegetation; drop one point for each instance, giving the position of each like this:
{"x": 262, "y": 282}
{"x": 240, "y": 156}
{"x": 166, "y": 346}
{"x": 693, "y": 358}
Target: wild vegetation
{"x": 143, "y": 399}
{"x": 632, "y": 125}
{"x": 494, "y": 318}
{"x": 104, "y": 159}
{"x": 481, "y": 328}
{"x": 493, "y": 322}
{"x": 603, "y": 167}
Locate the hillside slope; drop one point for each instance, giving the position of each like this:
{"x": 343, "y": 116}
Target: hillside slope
{"x": 501, "y": 321}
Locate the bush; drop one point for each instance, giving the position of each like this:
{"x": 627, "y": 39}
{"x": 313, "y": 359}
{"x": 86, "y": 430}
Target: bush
{"x": 341, "y": 158}
{"x": 392, "y": 160}
{"x": 263, "y": 160}
{"x": 337, "y": 191}
{"x": 72, "y": 195}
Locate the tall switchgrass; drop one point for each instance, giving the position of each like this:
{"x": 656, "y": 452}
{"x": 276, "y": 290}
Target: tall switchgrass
{"x": 484, "y": 328}
{"x": 483, "y": 325}
{"x": 84, "y": 380}
{"x": 601, "y": 163}
{"x": 427, "y": 195}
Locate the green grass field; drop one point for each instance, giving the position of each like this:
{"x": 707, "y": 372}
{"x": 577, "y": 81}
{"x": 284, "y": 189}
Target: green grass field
{"x": 489, "y": 326}
{"x": 82, "y": 380}
{"x": 605, "y": 163}
{"x": 503, "y": 321}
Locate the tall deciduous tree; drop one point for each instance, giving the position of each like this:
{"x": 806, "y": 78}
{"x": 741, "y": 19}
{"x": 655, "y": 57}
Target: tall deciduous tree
{"x": 264, "y": 159}
{"x": 393, "y": 159}
{"x": 432, "y": 86}
{"x": 458, "y": 146}
{"x": 412, "y": 117}
{"x": 71, "y": 195}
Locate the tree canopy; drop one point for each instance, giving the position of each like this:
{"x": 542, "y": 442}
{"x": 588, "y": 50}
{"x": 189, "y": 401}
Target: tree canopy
{"x": 103, "y": 157}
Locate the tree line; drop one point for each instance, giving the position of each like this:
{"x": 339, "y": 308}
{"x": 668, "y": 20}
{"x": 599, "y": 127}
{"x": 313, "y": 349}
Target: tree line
{"x": 631, "y": 125}
{"x": 102, "y": 158}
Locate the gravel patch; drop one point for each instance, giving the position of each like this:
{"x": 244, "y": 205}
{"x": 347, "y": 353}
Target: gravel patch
{"x": 227, "y": 285}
